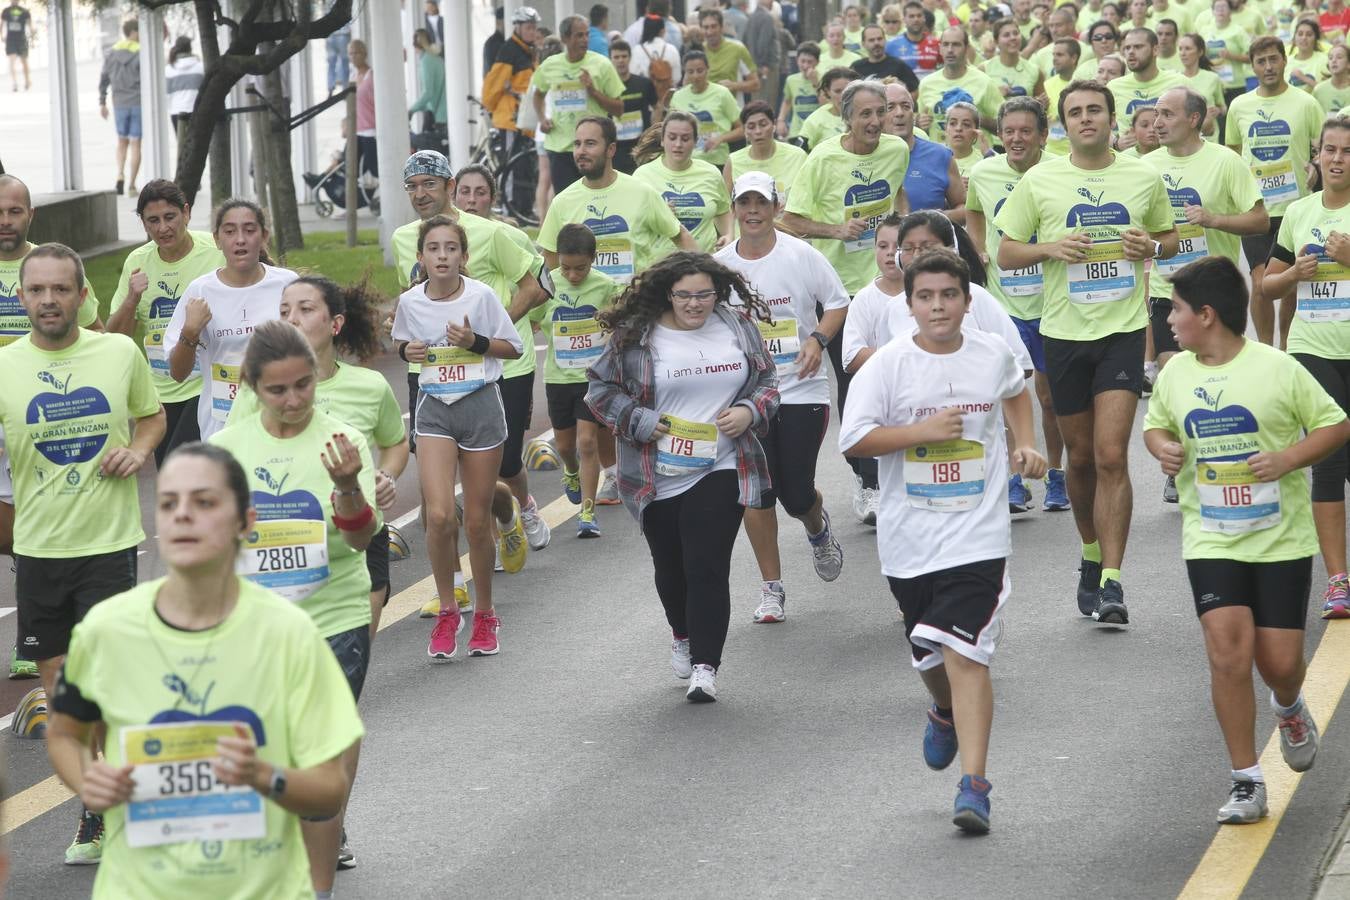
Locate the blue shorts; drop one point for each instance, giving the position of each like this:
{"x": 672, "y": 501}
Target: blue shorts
{"x": 1030, "y": 330}
{"x": 128, "y": 121}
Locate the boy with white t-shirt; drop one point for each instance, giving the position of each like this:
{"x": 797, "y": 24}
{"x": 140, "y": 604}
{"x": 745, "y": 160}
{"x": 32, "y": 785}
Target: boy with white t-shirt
{"x": 931, "y": 406}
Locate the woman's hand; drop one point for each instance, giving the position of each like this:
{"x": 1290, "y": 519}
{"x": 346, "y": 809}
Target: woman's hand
{"x": 105, "y": 786}
{"x": 733, "y": 421}
{"x": 237, "y": 762}
{"x": 386, "y": 490}
{"x": 343, "y": 462}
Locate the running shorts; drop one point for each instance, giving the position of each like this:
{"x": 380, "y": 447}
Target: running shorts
{"x": 959, "y": 608}
{"x": 1275, "y": 592}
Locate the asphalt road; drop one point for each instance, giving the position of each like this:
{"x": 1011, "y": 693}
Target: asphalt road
{"x": 571, "y": 766}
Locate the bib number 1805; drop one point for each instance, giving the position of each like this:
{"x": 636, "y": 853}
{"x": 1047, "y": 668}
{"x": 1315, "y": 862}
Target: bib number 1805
{"x": 1097, "y": 271}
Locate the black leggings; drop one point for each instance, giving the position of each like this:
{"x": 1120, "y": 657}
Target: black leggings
{"x": 865, "y": 468}
{"x": 1329, "y": 475}
{"x": 180, "y": 428}
{"x": 518, "y": 404}
{"x": 691, "y": 536}
{"x": 791, "y": 447}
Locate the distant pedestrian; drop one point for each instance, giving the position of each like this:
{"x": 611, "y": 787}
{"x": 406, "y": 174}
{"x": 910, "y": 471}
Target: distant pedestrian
{"x": 122, "y": 73}
{"x": 493, "y": 45}
{"x": 359, "y": 55}
{"x": 431, "y": 69}
{"x": 18, "y": 26}
{"x": 435, "y": 23}
{"x": 183, "y": 77}
{"x": 598, "y": 35}
{"x": 339, "y": 70}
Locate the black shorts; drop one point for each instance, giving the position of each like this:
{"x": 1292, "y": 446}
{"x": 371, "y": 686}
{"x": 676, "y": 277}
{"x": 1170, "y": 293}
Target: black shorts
{"x": 1080, "y": 370}
{"x": 957, "y": 607}
{"x": 377, "y": 562}
{"x": 1163, "y": 339}
{"x": 518, "y": 404}
{"x": 567, "y": 405}
{"x": 352, "y": 649}
{"x": 1275, "y": 592}
{"x": 1330, "y": 473}
{"x": 1256, "y": 247}
{"x": 413, "y": 388}
{"x": 16, "y": 48}
{"x": 791, "y": 448}
{"x": 55, "y": 594}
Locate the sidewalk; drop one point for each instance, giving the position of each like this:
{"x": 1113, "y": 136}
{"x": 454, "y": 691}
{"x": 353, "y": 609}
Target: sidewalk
{"x": 1336, "y": 880}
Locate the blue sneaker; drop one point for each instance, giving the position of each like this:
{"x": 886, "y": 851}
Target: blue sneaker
{"x": 1056, "y": 491}
{"x": 939, "y": 741}
{"x": 587, "y": 527}
{"x": 1019, "y": 495}
{"x": 972, "y": 805}
{"x": 571, "y": 482}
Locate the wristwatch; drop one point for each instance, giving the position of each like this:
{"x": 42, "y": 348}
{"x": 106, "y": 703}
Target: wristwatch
{"x": 278, "y": 785}
{"x": 1157, "y": 249}
{"x": 821, "y": 339}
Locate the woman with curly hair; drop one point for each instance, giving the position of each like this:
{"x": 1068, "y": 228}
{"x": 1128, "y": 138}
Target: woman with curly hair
{"x": 687, "y": 385}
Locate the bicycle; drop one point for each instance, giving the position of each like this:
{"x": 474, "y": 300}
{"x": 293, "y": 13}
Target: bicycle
{"x": 489, "y": 151}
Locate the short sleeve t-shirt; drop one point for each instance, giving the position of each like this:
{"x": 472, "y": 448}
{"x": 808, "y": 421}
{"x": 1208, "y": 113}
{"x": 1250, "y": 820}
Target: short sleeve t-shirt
{"x": 559, "y": 78}
{"x": 575, "y": 338}
{"x": 1214, "y": 177}
{"x": 1276, "y": 135}
{"x": 14, "y": 322}
{"x": 1019, "y": 79}
{"x": 1321, "y": 325}
{"x": 420, "y": 318}
{"x": 639, "y": 98}
{"x": 168, "y": 281}
{"x": 793, "y": 278}
{"x": 295, "y": 549}
{"x": 147, "y": 680}
{"x": 62, "y": 412}
{"x": 1104, "y": 294}
{"x": 698, "y": 195}
{"x": 1262, "y": 400}
{"x": 1332, "y": 99}
{"x": 235, "y": 312}
{"x": 803, "y": 99}
{"x": 923, "y": 56}
{"x": 943, "y": 504}
{"x": 929, "y": 174}
{"x": 728, "y": 61}
{"x": 938, "y": 92}
{"x": 1020, "y": 291}
{"x": 1132, "y": 94}
{"x": 1235, "y": 39}
{"x": 786, "y": 161}
{"x": 16, "y": 20}
{"x": 717, "y": 112}
{"x": 820, "y": 126}
{"x": 836, "y": 185}
{"x": 633, "y": 226}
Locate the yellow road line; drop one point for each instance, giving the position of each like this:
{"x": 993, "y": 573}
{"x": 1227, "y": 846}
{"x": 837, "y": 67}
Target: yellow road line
{"x": 46, "y": 795}
{"x": 1236, "y": 850}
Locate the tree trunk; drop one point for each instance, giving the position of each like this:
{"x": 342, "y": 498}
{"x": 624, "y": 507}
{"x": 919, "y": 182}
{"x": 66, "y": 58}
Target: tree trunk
{"x": 280, "y": 177}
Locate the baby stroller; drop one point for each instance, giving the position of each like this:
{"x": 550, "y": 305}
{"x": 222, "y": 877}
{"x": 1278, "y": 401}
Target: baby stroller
{"x": 328, "y": 190}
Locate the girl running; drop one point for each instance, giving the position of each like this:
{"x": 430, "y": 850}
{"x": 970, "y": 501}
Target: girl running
{"x": 695, "y": 190}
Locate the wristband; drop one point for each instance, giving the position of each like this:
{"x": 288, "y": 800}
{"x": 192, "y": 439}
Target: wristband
{"x": 356, "y": 522}
{"x": 821, "y": 339}
{"x": 403, "y": 351}
{"x": 480, "y": 344}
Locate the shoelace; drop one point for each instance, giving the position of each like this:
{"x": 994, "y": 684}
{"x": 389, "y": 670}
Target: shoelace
{"x": 1294, "y": 728}
{"x": 482, "y": 627}
{"x": 513, "y": 541}
{"x": 443, "y": 627}
{"x": 1337, "y": 592}
{"x": 1242, "y": 791}
{"x": 530, "y": 519}
{"x": 90, "y": 828}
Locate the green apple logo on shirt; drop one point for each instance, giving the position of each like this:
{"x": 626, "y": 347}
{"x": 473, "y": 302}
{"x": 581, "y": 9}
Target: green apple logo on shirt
{"x": 689, "y": 206}
{"x": 1221, "y": 432}
{"x": 1268, "y": 138}
{"x": 60, "y": 421}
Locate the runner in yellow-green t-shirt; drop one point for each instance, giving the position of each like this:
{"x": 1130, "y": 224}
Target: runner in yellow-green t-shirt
{"x": 1014, "y": 75}
{"x": 567, "y": 87}
{"x": 957, "y": 80}
{"x": 827, "y": 120}
{"x": 713, "y": 107}
{"x": 1143, "y": 82}
{"x": 695, "y": 190}
{"x": 762, "y": 153}
{"x": 801, "y": 94}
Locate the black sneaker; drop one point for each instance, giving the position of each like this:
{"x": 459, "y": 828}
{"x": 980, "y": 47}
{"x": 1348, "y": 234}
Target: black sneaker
{"x": 1111, "y": 604}
{"x": 346, "y": 858}
{"x": 1089, "y": 578}
{"x": 1170, "y": 490}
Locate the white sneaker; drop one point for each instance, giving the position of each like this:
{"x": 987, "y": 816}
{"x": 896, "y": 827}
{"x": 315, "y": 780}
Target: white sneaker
{"x": 536, "y": 529}
{"x": 871, "y": 501}
{"x": 1246, "y": 802}
{"x": 828, "y": 555}
{"x": 679, "y": 658}
{"x": 1298, "y": 738}
{"x": 770, "y": 608}
{"x": 859, "y": 503}
{"x": 608, "y": 494}
{"x": 702, "y": 685}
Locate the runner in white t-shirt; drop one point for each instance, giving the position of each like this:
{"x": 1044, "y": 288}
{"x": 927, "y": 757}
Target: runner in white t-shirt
{"x": 796, "y": 281}
{"x": 210, "y": 329}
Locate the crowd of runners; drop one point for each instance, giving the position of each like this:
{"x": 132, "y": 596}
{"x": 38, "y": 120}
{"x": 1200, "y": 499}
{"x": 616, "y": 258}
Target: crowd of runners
{"x": 1013, "y": 226}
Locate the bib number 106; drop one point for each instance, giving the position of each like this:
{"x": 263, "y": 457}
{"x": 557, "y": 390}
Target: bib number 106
{"x": 946, "y": 472}
{"x": 1237, "y": 495}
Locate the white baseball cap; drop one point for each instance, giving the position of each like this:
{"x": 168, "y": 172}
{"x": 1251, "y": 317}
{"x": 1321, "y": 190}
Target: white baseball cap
{"x": 755, "y": 183}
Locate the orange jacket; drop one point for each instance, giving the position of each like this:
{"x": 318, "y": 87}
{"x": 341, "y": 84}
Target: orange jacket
{"x": 511, "y": 72}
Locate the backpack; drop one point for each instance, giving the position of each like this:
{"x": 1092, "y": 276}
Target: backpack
{"x": 659, "y": 71}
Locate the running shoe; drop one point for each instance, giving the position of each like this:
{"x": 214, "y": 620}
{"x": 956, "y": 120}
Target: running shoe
{"x": 587, "y": 527}
{"x": 536, "y": 529}
{"x": 771, "y": 607}
{"x": 871, "y": 500}
{"x": 1170, "y": 489}
{"x": 1150, "y": 376}
{"x": 346, "y": 858}
{"x": 1335, "y": 602}
{"x": 859, "y": 502}
{"x": 1056, "y": 492}
{"x": 571, "y": 482}
{"x": 1019, "y": 495}
{"x": 971, "y": 813}
{"x": 432, "y": 608}
{"x": 21, "y": 668}
{"x": 609, "y": 491}
{"x": 939, "y": 741}
{"x": 1089, "y": 580}
{"x": 1246, "y": 802}
{"x": 87, "y": 848}
{"x": 511, "y": 543}
{"x": 497, "y": 557}
{"x": 484, "y": 639}
{"x": 1110, "y": 608}
{"x": 826, "y": 553}
{"x": 1298, "y": 738}
{"x": 702, "y": 684}
{"x": 443, "y": 633}
{"x": 679, "y": 657}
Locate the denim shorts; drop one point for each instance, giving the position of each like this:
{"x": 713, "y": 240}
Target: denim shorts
{"x": 128, "y": 121}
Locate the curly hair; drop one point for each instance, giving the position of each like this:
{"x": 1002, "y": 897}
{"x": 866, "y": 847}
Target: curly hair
{"x": 360, "y": 306}
{"x": 648, "y": 295}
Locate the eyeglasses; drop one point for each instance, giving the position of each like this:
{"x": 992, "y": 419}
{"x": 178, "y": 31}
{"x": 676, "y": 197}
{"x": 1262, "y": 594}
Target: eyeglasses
{"x": 700, "y": 296}
{"x": 891, "y": 21}
{"x": 1102, "y": 36}
{"x": 911, "y": 249}
{"x": 413, "y": 188}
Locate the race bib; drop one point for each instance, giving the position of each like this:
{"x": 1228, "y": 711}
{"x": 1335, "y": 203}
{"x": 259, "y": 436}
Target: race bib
{"x": 871, "y": 213}
{"x": 782, "y": 342}
{"x": 1225, "y": 72}
{"x": 224, "y": 388}
{"x": 177, "y": 798}
{"x": 1105, "y": 274}
{"x": 1026, "y": 282}
{"x": 1192, "y": 245}
{"x": 450, "y": 373}
{"x": 288, "y": 556}
{"x": 628, "y": 127}
{"x": 1326, "y": 297}
{"x": 1058, "y": 132}
{"x": 1232, "y": 501}
{"x": 159, "y": 358}
{"x": 577, "y": 343}
{"x": 1276, "y": 180}
{"x": 614, "y": 257}
{"x": 687, "y": 448}
{"x": 569, "y": 97}
{"x": 945, "y": 477}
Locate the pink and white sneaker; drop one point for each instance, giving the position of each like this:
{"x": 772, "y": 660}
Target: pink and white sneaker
{"x": 442, "y": 644}
{"x": 1336, "y": 600}
{"x": 484, "y": 639}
